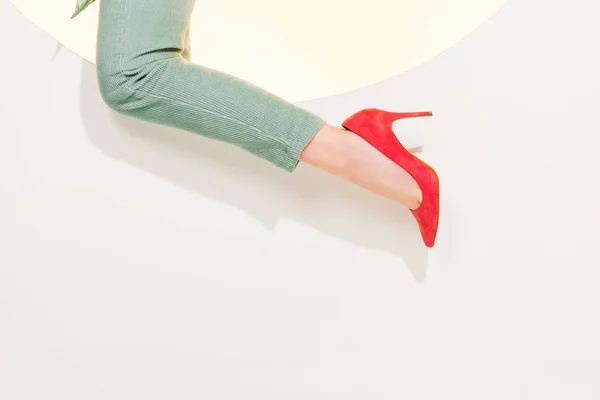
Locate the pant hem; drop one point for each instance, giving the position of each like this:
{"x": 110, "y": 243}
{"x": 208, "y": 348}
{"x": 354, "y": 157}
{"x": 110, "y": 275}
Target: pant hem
{"x": 307, "y": 129}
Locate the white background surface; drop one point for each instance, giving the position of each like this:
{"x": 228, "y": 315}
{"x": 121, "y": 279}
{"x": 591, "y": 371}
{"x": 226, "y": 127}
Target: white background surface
{"x": 142, "y": 262}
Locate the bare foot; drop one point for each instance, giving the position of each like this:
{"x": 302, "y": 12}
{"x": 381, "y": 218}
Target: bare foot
{"x": 343, "y": 153}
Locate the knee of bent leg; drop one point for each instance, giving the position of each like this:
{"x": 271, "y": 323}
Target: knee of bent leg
{"x": 115, "y": 89}
{"x": 120, "y": 88}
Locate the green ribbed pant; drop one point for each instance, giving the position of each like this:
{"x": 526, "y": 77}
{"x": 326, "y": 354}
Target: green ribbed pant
{"x": 144, "y": 71}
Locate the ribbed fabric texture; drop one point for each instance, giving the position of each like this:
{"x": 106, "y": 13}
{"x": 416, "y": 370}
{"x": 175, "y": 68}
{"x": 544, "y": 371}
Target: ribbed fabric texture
{"x": 144, "y": 71}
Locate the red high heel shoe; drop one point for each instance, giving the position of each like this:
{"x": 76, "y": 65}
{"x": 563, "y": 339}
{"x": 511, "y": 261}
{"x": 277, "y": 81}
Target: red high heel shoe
{"x": 375, "y": 126}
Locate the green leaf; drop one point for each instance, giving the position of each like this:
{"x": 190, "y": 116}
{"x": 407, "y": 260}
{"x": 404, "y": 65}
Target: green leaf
{"x": 80, "y": 6}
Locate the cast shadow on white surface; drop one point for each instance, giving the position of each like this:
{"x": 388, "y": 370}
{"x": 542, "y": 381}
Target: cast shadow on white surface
{"x": 231, "y": 175}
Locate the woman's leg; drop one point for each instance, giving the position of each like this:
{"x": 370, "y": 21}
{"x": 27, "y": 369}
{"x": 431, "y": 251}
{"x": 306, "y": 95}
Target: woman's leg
{"x": 144, "y": 71}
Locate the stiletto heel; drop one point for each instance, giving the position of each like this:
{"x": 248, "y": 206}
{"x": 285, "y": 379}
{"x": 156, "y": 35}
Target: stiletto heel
{"x": 375, "y": 126}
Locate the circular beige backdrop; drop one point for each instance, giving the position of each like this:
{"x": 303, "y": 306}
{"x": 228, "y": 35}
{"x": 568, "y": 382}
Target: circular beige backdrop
{"x": 299, "y": 50}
